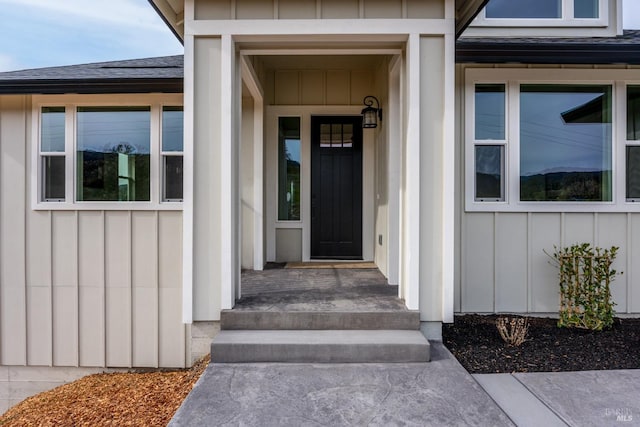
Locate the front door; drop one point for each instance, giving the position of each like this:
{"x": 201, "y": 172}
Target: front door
{"x": 336, "y": 187}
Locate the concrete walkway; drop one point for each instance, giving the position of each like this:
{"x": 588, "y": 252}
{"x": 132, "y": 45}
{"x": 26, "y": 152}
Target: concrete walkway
{"x": 439, "y": 393}
{"x": 417, "y": 394}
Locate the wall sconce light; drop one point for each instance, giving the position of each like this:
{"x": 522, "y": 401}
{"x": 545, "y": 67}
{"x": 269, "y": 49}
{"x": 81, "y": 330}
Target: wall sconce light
{"x": 370, "y": 114}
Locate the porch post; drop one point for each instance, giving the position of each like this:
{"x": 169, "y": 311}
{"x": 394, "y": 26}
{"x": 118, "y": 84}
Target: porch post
{"x": 411, "y": 205}
{"x": 214, "y": 156}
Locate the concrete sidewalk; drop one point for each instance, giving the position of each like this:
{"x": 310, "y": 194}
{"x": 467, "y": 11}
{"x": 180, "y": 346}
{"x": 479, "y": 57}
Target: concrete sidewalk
{"x": 585, "y": 398}
{"x": 439, "y": 393}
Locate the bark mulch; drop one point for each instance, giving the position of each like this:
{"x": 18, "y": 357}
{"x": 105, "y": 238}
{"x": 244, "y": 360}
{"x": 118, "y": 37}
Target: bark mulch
{"x": 119, "y": 399}
{"x": 476, "y": 343}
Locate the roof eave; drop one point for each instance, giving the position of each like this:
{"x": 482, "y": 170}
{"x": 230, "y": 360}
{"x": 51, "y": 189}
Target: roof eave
{"x": 466, "y": 11}
{"x": 553, "y": 53}
{"x": 90, "y": 86}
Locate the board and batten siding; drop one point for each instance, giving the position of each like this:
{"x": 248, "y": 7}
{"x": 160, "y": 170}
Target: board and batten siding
{"x": 83, "y": 288}
{"x": 318, "y": 9}
{"x": 501, "y": 264}
{"x": 505, "y": 267}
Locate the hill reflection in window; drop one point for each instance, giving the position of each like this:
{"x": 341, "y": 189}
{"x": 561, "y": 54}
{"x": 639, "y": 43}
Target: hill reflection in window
{"x": 565, "y": 143}
{"x": 113, "y": 147}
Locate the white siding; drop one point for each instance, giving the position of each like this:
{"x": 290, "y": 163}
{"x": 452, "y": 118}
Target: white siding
{"x": 83, "y": 288}
{"x": 318, "y": 9}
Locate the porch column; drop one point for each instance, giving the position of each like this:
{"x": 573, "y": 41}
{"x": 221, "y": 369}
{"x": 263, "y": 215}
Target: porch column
{"x": 410, "y": 260}
{"x": 214, "y": 197}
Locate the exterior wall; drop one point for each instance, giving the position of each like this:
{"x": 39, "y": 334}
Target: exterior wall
{"x": 83, "y": 288}
{"x": 318, "y": 9}
{"x": 502, "y": 266}
{"x": 318, "y": 87}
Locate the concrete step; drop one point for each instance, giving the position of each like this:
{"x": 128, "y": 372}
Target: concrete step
{"x": 320, "y": 346}
{"x": 314, "y": 320}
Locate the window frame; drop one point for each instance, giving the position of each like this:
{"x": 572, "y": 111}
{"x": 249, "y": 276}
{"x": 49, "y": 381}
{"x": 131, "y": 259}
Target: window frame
{"x": 566, "y": 20}
{"x": 155, "y": 102}
{"x": 164, "y": 154}
{"x": 618, "y": 79}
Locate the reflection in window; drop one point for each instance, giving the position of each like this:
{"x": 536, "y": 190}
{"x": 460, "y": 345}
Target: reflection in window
{"x": 633, "y": 113}
{"x": 524, "y": 9}
{"x": 113, "y": 153}
{"x": 489, "y": 112}
{"x": 585, "y": 9}
{"x": 489, "y": 172}
{"x": 336, "y": 135}
{"x": 52, "y": 152}
{"x": 565, "y": 143}
{"x": 289, "y": 168}
{"x": 633, "y": 173}
{"x": 172, "y": 152}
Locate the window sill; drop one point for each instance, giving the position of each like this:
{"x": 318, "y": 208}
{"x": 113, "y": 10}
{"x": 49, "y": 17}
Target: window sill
{"x": 585, "y": 207}
{"x": 107, "y": 206}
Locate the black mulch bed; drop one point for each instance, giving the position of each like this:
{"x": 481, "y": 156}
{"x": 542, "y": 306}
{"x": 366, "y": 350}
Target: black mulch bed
{"x": 475, "y": 342}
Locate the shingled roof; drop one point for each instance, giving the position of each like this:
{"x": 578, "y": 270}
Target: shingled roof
{"x": 623, "y": 49}
{"x": 161, "y": 74}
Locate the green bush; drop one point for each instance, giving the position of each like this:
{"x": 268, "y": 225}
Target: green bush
{"x": 585, "y": 277}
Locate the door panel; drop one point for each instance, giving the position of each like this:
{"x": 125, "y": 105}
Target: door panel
{"x": 336, "y": 187}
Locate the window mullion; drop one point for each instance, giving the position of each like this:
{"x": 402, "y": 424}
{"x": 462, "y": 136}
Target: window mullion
{"x": 568, "y": 10}
{"x": 154, "y": 167}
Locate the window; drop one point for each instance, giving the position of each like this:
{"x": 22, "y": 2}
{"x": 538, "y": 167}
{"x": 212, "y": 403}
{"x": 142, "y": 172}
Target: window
{"x": 172, "y": 146}
{"x": 107, "y": 156}
{"x": 542, "y": 9}
{"x": 489, "y": 132}
{"x": 633, "y": 144}
{"x": 52, "y": 153}
{"x": 113, "y": 154}
{"x": 289, "y": 169}
{"x": 565, "y": 143}
{"x": 539, "y": 141}
{"x": 524, "y": 9}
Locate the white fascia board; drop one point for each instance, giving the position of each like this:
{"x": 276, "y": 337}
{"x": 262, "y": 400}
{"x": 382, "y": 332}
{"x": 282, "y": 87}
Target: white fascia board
{"x": 321, "y": 27}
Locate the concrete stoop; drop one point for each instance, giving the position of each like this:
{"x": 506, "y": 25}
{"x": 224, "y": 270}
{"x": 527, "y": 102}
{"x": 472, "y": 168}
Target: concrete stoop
{"x": 383, "y": 336}
{"x": 320, "y": 346}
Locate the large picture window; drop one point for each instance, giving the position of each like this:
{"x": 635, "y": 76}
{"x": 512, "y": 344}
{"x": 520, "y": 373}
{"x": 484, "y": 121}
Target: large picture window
{"x": 565, "y": 143}
{"x": 112, "y": 156}
{"x": 538, "y": 142}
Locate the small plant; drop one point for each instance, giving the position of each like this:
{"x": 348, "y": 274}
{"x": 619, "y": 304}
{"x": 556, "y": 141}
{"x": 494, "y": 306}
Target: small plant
{"x": 513, "y": 330}
{"x": 585, "y": 277}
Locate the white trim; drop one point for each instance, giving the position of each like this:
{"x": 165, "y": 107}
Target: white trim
{"x": 227, "y": 169}
{"x": 361, "y": 29}
{"x": 333, "y": 52}
{"x": 448, "y": 181}
{"x": 411, "y": 211}
{"x": 188, "y": 159}
{"x": 394, "y": 169}
{"x": 250, "y": 78}
{"x": 71, "y": 103}
{"x": 618, "y": 79}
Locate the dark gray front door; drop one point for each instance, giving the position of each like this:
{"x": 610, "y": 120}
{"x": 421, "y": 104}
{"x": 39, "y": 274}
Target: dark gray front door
{"x": 336, "y": 187}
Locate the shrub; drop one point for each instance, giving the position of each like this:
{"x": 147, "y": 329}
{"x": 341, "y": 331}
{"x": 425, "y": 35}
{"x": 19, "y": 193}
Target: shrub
{"x": 513, "y": 330}
{"x": 585, "y": 277}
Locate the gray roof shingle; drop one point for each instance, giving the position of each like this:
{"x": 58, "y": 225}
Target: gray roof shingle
{"x": 161, "y": 74}
{"x": 623, "y": 49}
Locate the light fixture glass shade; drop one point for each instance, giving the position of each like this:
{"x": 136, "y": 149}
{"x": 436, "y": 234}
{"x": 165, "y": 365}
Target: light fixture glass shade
{"x": 369, "y": 118}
